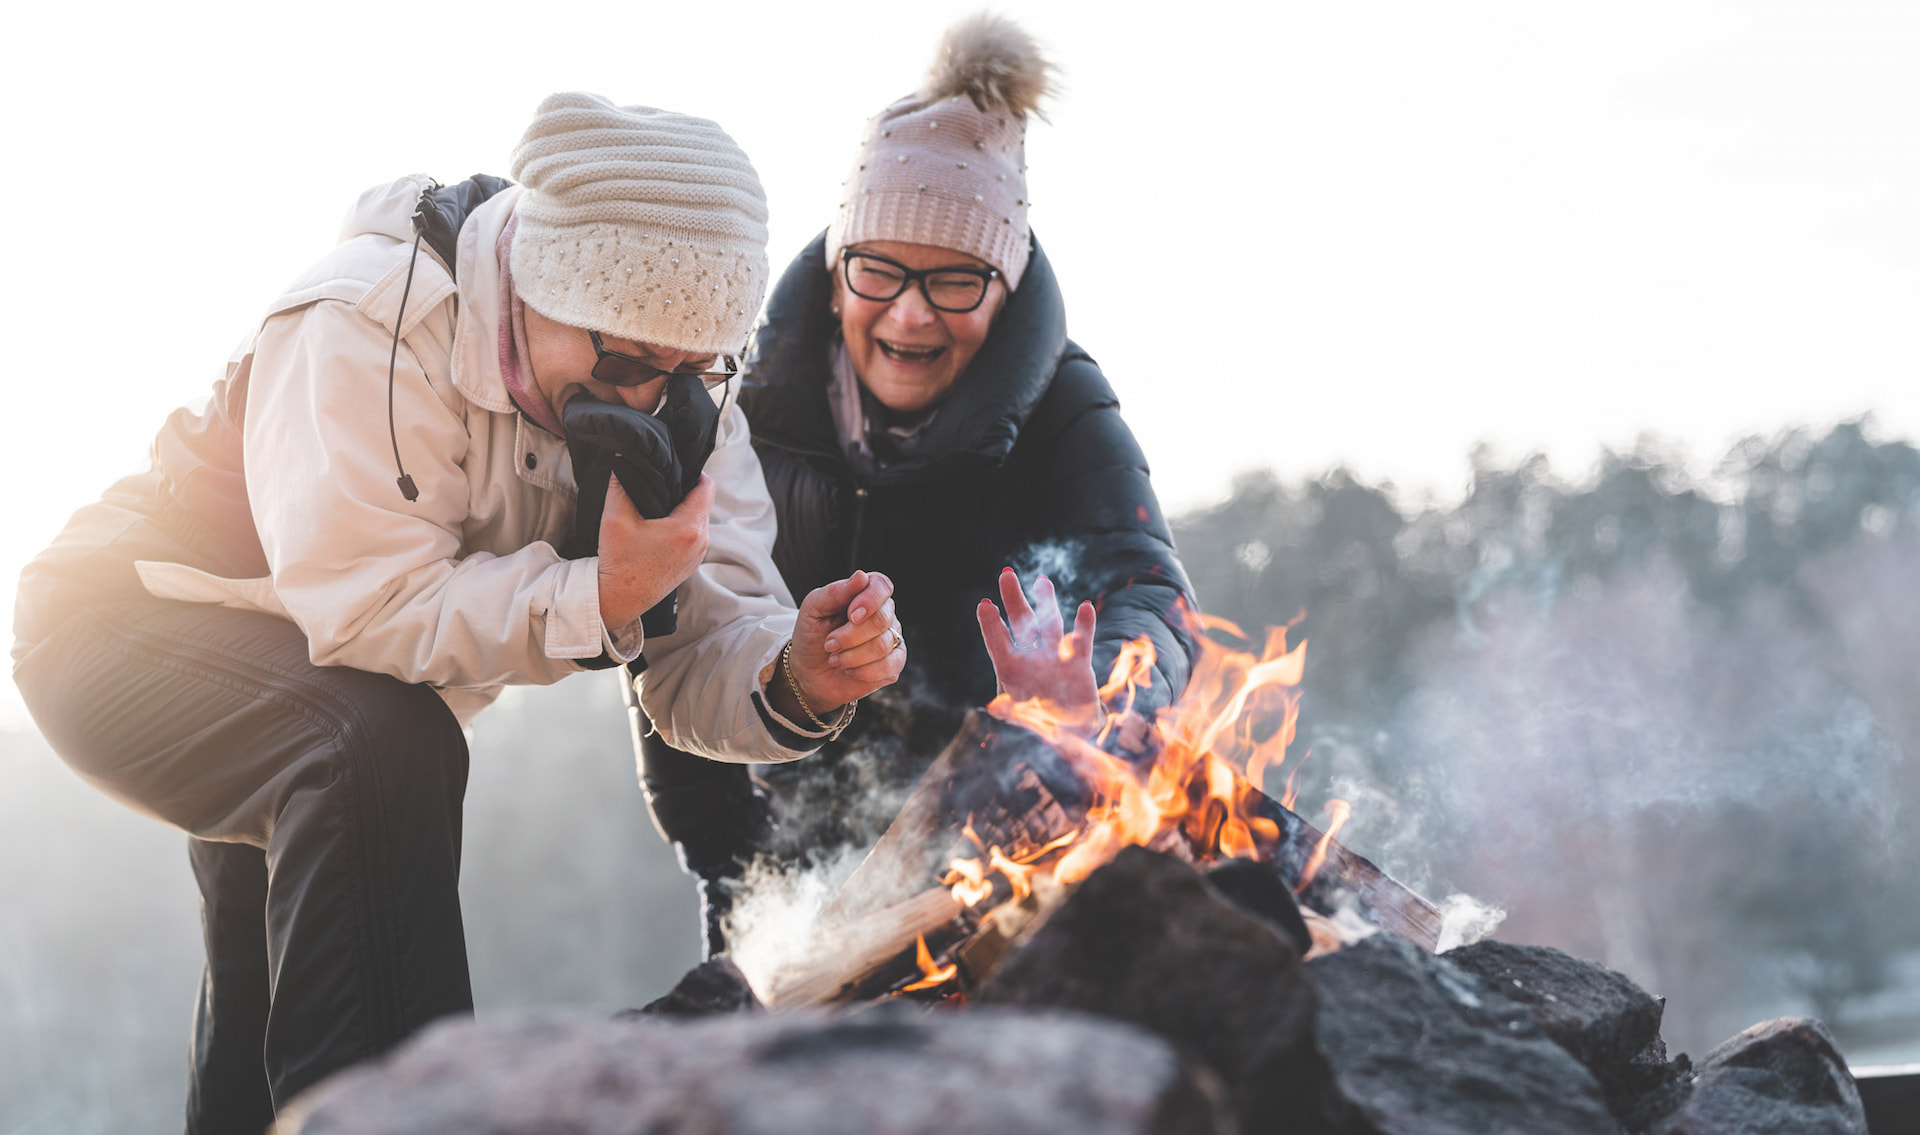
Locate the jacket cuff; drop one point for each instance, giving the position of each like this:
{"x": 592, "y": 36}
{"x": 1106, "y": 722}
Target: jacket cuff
{"x": 624, "y": 645}
{"x": 790, "y": 735}
{"x": 574, "y": 629}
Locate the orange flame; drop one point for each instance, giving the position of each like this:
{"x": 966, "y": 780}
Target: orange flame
{"x": 969, "y": 881}
{"x": 1214, "y": 747}
{"x": 931, "y": 975}
{"x": 1337, "y": 812}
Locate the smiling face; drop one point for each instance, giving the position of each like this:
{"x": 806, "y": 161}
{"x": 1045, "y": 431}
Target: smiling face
{"x": 907, "y": 352}
{"x": 562, "y": 358}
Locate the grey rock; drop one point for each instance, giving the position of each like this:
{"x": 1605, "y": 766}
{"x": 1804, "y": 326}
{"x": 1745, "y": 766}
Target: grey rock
{"x": 1607, "y": 1022}
{"x": 713, "y": 988}
{"x": 1600, "y": 1016}
{"x": 1420, "y": 1045}
{"x": 1145, "y": 940}
{"x": 1257, "y": 889}
{"x": 895, "y": 1071}
{"x": 1779, "y": 1076}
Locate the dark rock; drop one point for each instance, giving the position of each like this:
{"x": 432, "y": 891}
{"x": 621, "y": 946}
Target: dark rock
{"x": 1600, "y": 1016}
{"x": 1649, "y": 1089}
{"x": 898, "y": 1073}
{"x": 1420, "y": 1045}
{"x": 1607, "y": 1022}
{"x": 1257, "y": 889}
{"x": 1145, "y": 940}
{"x": 1779, "y": 1076}
{"x": 713, "y": 988}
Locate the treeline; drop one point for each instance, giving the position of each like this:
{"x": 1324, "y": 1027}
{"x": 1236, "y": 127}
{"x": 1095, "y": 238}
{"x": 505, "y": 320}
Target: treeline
{"x": 1665, "y": 719}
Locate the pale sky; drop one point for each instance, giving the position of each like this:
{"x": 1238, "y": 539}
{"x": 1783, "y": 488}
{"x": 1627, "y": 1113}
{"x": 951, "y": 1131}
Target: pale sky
{"x": 1295, "y": 235}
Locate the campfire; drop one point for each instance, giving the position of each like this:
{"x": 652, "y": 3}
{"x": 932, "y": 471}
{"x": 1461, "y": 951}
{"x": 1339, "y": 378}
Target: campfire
{"x": 1144, "y": 941}
{"x": 1022, "y": 807}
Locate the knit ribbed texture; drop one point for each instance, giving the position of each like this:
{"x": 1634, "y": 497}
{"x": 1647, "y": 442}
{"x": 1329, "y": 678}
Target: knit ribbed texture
{"x": 639, "y": 223}
{"x": 944, "y": 173}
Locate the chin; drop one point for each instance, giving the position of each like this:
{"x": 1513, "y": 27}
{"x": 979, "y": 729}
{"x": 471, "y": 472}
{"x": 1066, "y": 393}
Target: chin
{"x": 906, "y": 398}
{"x": 906, "y": 393}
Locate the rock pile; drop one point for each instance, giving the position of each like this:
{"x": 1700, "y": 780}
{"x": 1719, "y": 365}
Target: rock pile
{"x": 1151, "y": 1001}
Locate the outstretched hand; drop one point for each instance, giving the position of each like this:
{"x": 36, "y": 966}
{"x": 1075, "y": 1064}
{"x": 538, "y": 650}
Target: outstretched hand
{"x": 1034, "y": 656}
{"x": 846, "y": 644}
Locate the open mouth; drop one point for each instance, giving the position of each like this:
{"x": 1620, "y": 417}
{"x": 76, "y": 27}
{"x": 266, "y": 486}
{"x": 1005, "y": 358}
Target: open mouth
{"x": 902, "y": 353}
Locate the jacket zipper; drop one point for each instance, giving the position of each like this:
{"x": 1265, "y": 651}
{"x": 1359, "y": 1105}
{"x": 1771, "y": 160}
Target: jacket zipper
{"x": 859, "y": 492}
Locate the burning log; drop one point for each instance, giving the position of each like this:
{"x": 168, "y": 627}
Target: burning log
{"x": 852, "y": 950}
{"x": 998, "y": 792}
{"x": 988, "y": 775}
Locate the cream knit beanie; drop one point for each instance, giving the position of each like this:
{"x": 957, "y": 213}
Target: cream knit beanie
{"x": 639, "y": 223}
{"x": 947, "y": 166}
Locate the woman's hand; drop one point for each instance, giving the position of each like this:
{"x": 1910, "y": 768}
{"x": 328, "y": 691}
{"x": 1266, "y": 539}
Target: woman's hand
{"x": 846, "y": 644}
{"x": 642, "y": 561}
{"x": 1033, "y": 657}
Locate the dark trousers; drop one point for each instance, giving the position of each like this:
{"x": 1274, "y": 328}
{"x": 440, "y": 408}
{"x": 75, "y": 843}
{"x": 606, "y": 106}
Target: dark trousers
{"x": 323, "y": 806}
{"x": 716, "y": 819}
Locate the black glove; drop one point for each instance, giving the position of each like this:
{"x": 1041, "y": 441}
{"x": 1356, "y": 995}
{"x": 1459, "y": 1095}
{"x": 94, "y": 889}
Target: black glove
{"x": 658, "y": 458}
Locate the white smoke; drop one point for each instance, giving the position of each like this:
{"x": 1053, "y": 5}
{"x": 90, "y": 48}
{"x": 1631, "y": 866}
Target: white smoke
{"x": 1465, "y": 920}
{"x": 775, "y": 926}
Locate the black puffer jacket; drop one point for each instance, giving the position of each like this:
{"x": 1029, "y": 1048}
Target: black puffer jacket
{"x": 1028, "y": 463}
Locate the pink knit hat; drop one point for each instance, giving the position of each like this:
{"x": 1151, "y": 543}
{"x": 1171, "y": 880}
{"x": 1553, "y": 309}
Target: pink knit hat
{"x": 947, "y": 166}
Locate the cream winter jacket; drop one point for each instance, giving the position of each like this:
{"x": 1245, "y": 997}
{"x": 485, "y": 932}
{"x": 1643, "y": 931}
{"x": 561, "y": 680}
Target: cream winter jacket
{"x": 462, "y": 589}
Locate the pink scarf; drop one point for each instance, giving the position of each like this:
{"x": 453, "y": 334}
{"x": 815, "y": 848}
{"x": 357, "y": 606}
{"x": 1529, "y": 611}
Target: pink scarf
{"x": 513, "y": 343}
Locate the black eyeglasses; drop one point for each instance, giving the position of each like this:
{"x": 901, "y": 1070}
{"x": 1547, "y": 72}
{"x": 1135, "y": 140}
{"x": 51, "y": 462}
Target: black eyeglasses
{"x": 955, "y": 290}
{"x": 616, "y": 369}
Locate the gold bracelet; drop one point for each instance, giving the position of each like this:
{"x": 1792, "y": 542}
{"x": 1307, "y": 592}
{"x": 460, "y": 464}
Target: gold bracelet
{"x": 786, "y": 667}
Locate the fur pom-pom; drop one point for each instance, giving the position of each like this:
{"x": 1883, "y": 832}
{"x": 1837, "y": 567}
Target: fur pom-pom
{"x": 994, "y": 62}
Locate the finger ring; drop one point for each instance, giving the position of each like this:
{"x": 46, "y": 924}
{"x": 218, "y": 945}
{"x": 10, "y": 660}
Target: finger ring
{"x": 898, "y": 642}
{"x": 1026, "y": 648}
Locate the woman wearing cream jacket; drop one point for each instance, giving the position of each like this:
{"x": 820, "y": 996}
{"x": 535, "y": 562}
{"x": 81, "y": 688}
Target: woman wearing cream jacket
{"x": 272, "y": 637}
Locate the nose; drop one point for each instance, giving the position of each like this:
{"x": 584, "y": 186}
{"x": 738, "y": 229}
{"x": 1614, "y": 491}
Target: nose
{"x": 911, "y": 309}
{"x": 645, "y": 397}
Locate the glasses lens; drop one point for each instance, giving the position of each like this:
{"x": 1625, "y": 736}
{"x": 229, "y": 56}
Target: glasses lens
{"x": 956, "y": 291}
{"x": 616, "y": 371}
{"x": 874, "y": 279}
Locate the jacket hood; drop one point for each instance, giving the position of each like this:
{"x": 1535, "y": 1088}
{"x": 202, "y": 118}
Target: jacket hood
{"x": 418, "y": 204}
{"x": 789, "y": 368}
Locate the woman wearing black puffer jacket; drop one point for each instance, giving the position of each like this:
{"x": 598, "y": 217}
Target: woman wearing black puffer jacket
{"x": 919, "y": 410}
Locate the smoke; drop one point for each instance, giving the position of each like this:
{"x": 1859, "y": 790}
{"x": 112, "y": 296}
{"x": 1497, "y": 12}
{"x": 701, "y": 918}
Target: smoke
{"x": 1059, "y": 561}
{"x": 775, "y": 926}
{"x": 1465, "y": 920}
{"x": 1664, "y": 723}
